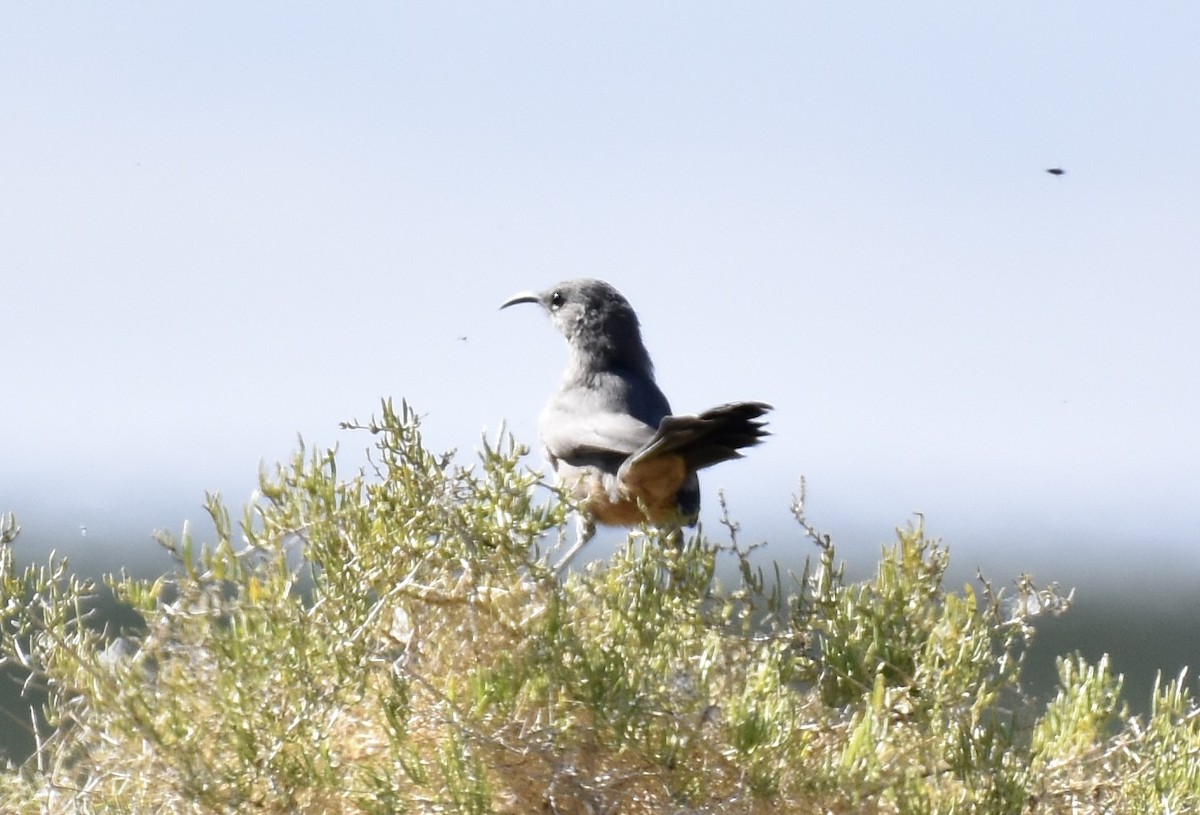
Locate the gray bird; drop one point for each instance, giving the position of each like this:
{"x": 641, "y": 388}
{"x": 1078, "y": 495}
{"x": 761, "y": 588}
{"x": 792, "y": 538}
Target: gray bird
{"x": 608, "y": 430}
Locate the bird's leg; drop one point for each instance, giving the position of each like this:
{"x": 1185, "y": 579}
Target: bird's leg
{"x": 673, "y": 535}
{"x": 585, "y": 529}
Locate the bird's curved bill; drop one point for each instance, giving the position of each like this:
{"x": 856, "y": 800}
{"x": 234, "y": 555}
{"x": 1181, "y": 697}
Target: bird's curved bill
{"x": 523, "y": 297}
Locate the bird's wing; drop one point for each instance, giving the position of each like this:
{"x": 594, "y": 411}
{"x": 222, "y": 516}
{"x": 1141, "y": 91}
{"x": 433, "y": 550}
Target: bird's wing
{"x": 567, "y": 435}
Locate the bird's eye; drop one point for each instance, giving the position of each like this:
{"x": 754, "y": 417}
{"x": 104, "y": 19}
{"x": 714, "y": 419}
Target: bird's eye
{"x": 557, "y": 299}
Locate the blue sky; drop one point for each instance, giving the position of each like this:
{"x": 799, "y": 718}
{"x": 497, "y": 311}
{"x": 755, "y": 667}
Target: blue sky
{"x": 224, "y": 224}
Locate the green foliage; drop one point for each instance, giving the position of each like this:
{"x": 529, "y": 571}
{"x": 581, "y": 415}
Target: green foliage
{"x": 396, "y": 641}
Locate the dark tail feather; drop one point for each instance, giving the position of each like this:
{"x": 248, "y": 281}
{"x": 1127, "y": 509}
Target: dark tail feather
{"x": 714, "y": 436}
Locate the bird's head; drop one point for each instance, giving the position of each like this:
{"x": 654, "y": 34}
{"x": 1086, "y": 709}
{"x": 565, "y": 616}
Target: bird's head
{"x": 598, "y": 322}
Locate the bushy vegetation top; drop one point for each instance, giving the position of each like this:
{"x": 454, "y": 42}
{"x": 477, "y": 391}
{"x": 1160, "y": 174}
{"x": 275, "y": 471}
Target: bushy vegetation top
{"x": 398, "y": 641}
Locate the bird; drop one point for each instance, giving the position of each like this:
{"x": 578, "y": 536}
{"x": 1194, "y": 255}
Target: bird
{"x": 1057, "y": 171}
{"x": 608, "y": 431}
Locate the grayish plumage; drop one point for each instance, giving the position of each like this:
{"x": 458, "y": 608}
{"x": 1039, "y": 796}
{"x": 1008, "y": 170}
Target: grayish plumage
{"x": 608, "y": 430}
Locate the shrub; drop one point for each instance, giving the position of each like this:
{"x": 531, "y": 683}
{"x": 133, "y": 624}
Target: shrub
{"x": 397, "y": 641}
